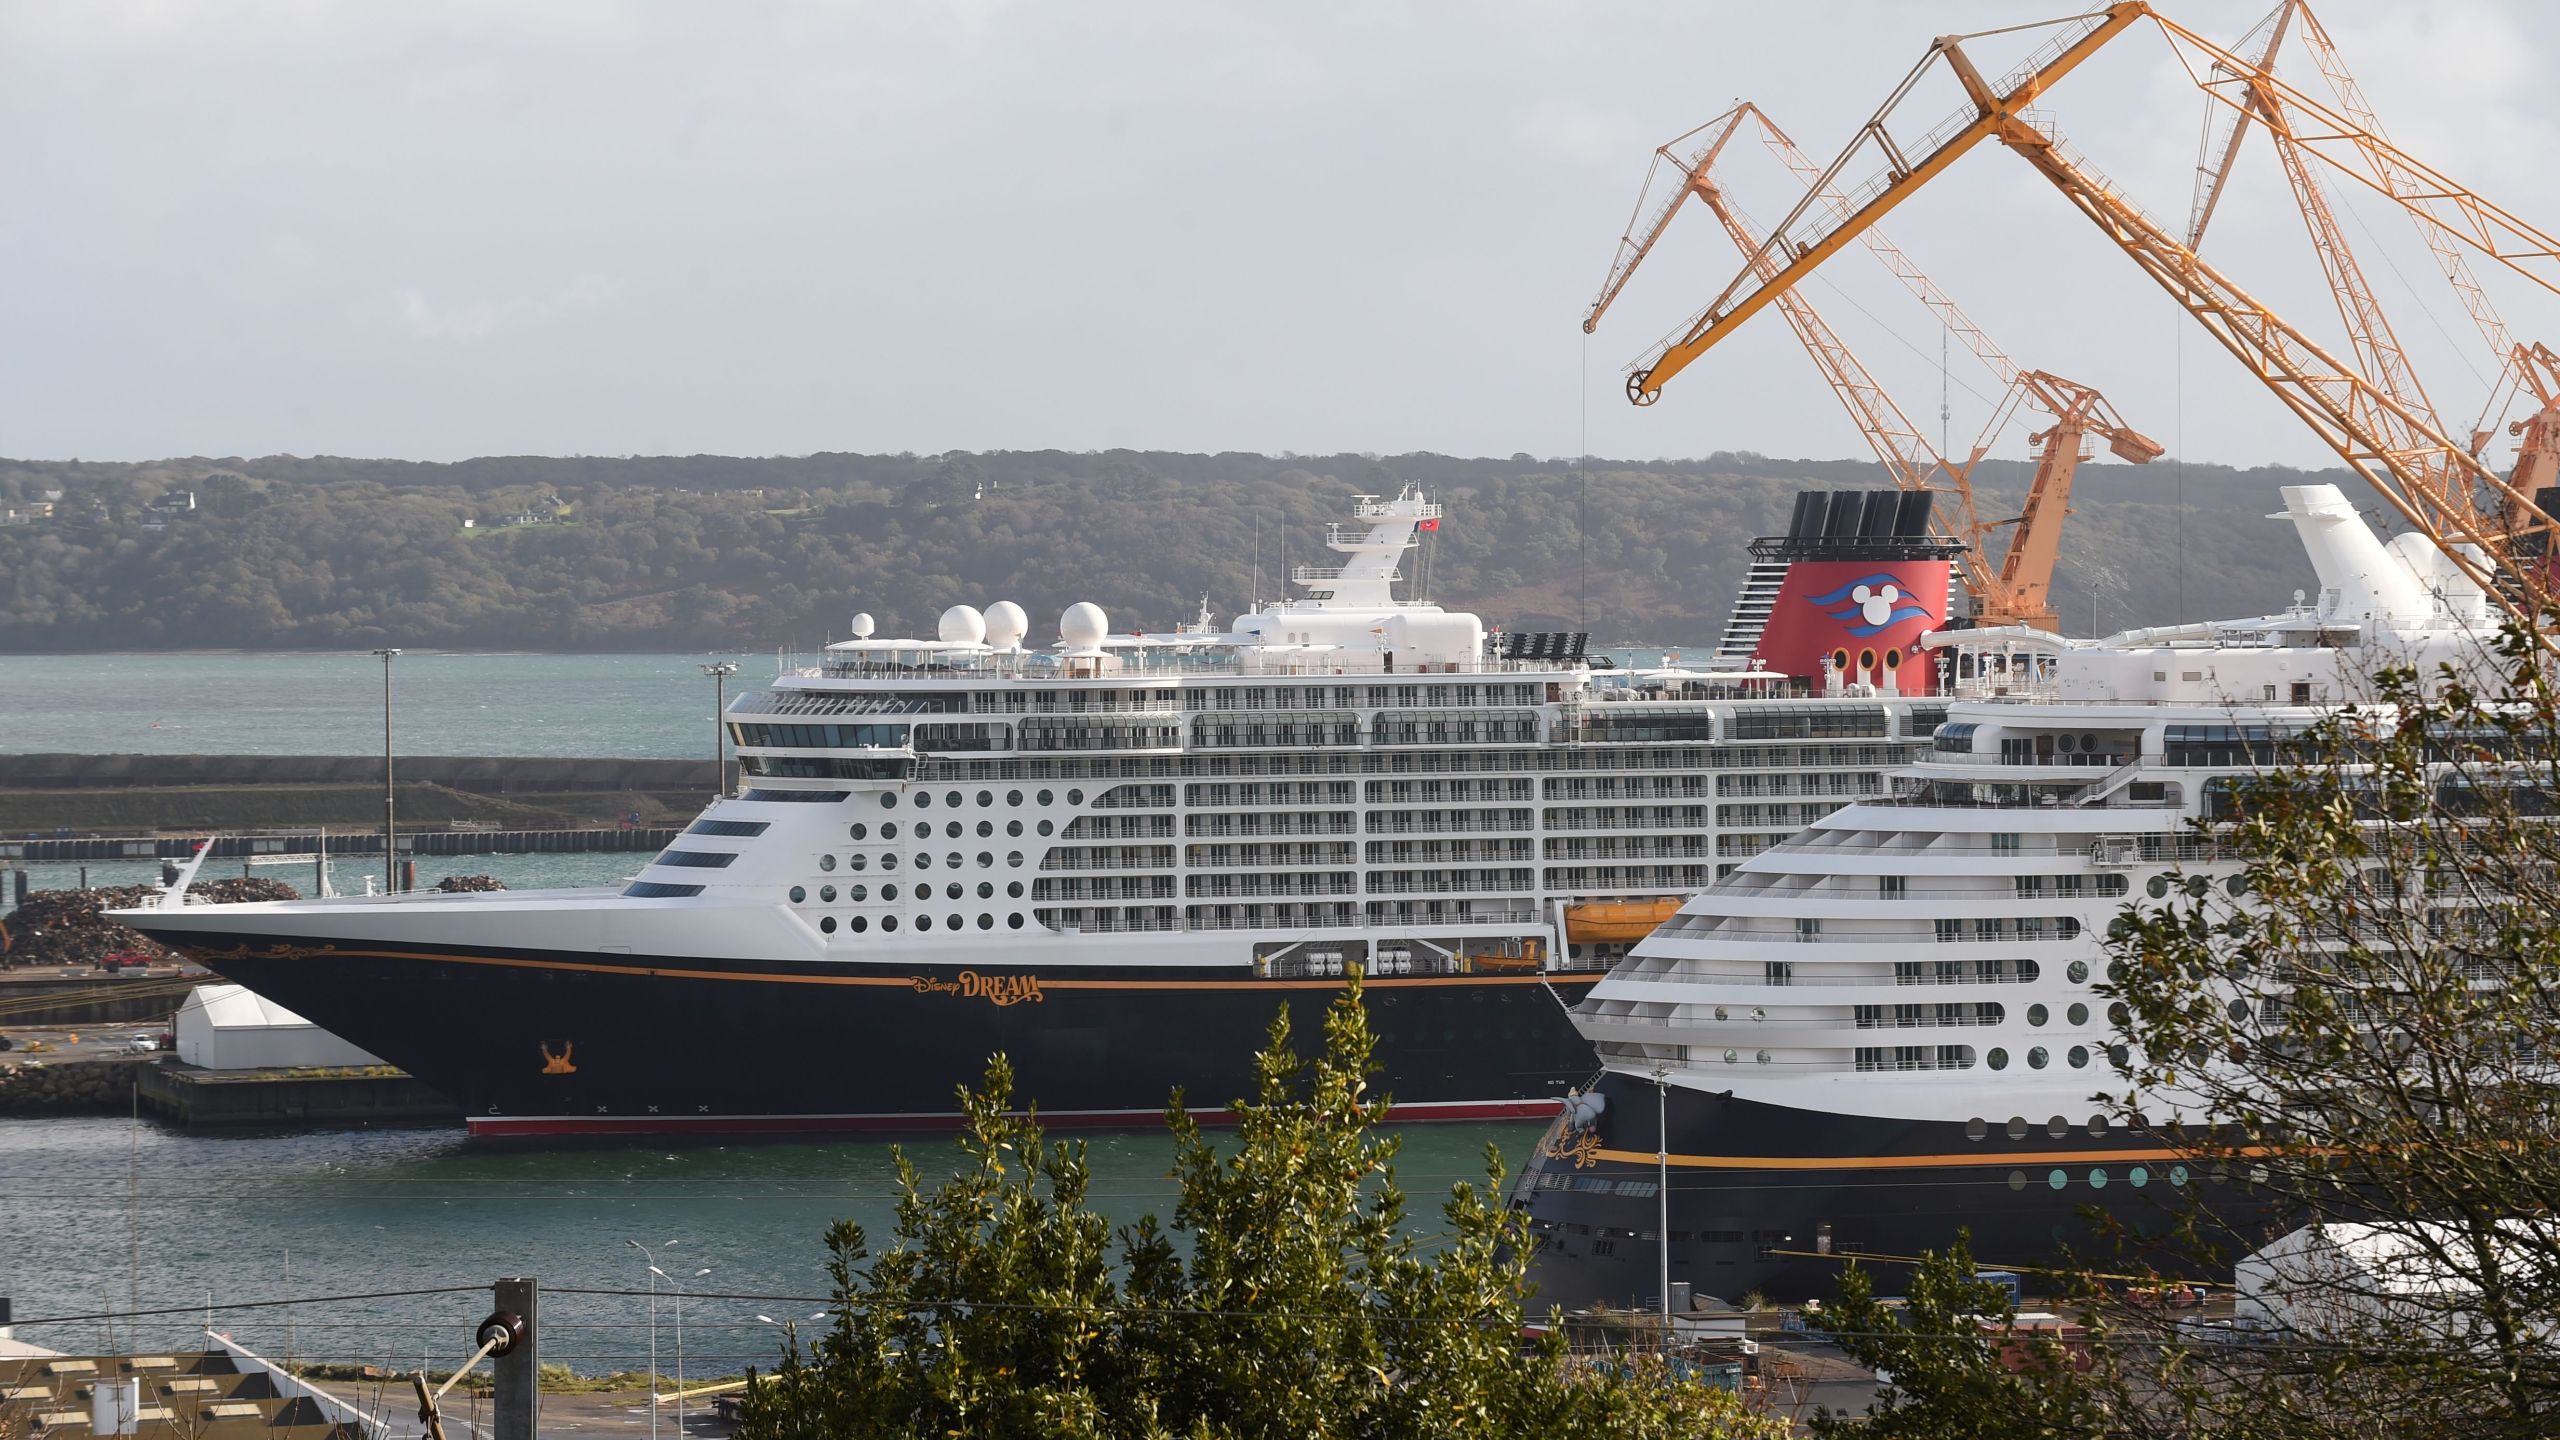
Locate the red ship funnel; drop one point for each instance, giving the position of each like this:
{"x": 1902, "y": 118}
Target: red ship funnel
{"x": 1865, "y": 580}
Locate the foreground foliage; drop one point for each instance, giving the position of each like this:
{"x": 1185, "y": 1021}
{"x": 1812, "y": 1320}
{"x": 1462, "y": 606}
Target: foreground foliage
{"x": 1285, "y": 1298}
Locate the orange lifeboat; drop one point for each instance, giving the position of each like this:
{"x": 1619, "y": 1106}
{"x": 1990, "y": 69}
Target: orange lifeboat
{"x": 1616, "y": 922}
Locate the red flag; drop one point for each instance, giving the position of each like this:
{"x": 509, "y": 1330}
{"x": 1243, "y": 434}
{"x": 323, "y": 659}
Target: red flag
{"x": 1431, "y": 524}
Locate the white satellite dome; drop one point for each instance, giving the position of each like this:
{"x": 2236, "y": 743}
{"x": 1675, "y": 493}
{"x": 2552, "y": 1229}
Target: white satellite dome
{"x": 863, "y": 625}
{"x": 1084, "y": 625}
{"x": 963, "y": 625}
{"x": 1006, "y": 625}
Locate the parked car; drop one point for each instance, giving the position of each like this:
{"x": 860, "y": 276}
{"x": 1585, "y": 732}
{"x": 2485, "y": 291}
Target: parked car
{"x": 143, "y": 1044}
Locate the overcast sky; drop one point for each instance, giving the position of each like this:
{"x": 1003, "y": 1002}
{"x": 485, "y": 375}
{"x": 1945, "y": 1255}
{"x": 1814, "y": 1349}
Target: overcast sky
{"x": 442, "y": 230}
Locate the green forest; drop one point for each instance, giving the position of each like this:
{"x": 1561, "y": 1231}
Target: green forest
{"x": 710, "y": 552}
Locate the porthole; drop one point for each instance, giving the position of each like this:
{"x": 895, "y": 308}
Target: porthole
{"x": 2078, "y": 1014}
{"x": 826, "y": 894}
{"x": 2037, "y": 1015}
{"x": 2237, "y": 1010}
{"x": 2158, "y": 888}
{"x": 826, "y": 862}
{"x": 2037, "y": 1059}
{"x": 1014, "y": 890}
{"x": 953, "y": 891}
{"x": 1731, "y": 1056}
{"x": 1013, "y": 922}
{"x": 1044, "y": 797}
{"x": 985, "y": 799}
{"x": 2119, "y": 1016}
{"x": 858, "y": 924}
{"x": 986, "y": 828}
{"x": 1075, "y": 797}
{"x": 888, "y": 802}
{"x": 2199, "y": 885}
{"x": 888, "y": 922}
{"x": 986, "y": 921}
{"x": 1044, "y": 827}
{"x": 888, "y": 892}
{"x": 2065, "y": 743}
{"x": 924, "y": 800}
{"x": 889, "y": 831}
{"x": 2057, "y": 1127}
{"x": 826, "y": 924}
{"x": 955, "y": 922}
{"x": 1013, "y": 797}
{"x": 860, "y": 831}
{"x": 2098, "y": 1179}
{"x": 2238, "y": 885}
{"x": 2079, "y": 1057}
{"x": 799, "y": 894}
{"x": 2058, "y": 1179}
{"x": 2077, "y": 972}
{"x": 986, "y": 861}
{"x": 1976, "y": 1128}
{"x": 1762, "y": 1057}
{"x": 2120, "y": 1057}
{"x": 1998, "y": 1059}
{"x": 857, "y": 861}
{"x": 924, "y": 922}
{"x": 2017, "y": 1127}
{"x": 1013, "y": 828}
{"x": 955, "y": 830}
{"x": 888, "y": 862}
{"x": 1720, "y": 1013}
{"x": 2137, "y": 1177}
{"x": 2017, "y": 1179}
{"x": 986, "y": 890}
{"x": 953, "y": 799}
{"x": 857, "y": 893}
{"x": 2177, "y": 1177}
{"x": 924, "y": 859}
{"x": 1013, "y": 859}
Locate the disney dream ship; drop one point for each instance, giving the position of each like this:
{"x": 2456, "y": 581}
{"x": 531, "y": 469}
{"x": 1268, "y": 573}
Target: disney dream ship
{"x": 1116, "y": 857}
{"x": 1888, "y": 1027}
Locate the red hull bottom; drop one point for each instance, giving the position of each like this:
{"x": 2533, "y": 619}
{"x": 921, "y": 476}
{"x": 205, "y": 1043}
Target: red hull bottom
{"x": 561, "y": 1125}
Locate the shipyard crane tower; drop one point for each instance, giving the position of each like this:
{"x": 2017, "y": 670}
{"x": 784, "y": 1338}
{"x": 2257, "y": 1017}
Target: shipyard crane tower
{"x": 2018, "y": 589}
{"x": 2424, "y": 476}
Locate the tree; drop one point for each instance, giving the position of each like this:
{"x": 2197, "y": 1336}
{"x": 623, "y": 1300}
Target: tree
{"x": 1299, "y": 1306}
{"x": 1958, "y": 1368}
{"x": 2364, "y": 1011}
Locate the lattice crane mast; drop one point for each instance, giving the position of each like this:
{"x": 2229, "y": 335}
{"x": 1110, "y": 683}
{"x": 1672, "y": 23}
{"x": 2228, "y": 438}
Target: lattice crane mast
{"x": 2017, "y": 589}
{"x": 2394, "y": 451}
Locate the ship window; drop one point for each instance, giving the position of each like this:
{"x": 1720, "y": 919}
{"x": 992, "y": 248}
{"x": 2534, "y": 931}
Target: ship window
{"x": 1014, "y": 890}
{"x": 2097, "y": 1127}
{"x": 1013, "y": 827}
{"x": 1762, "y": 1057}
{"x": 1013, "y": 859}
{"x": 2097, "y": 1179}
{"x": 888, "y": 801}
{"x": 1013, "y": 922}
{"x": 858, "y": 924}
{"x": 1975, "y": 1128}
{"x": 1044, "y": 797}
{"x": 986, "y": 890}
{"x": 2057, "y": 1127}
{"x": 2017, "y": 1127}
{"x": 826, "y": 862}
{"x": 826, "y": 894}
{"x": 1013, "y": 797}
{"x": 952, "y": 799}
{"x": 1045, "y": 827}
{"x": 986, "y": 828}
{"x": 795, "y": 797}
{"x": 986, "y": 921}
{"x": 924, "y": 922}
{"x": 888, "y": 892}
{"x": 986, "y": 799}
{"x": 2037, "y": 1015}
{"x": 826, "y": 924}
{"x": 798, "y": 894}
{"x": 732, "y": 829}
{"x": 2017, "y": 1179}
{"x": 2058, "y": 1179}
{"x": 2078, "y": 972}
{"x": 2037, "y": 1059}
{"x": 2079, "y": 1057}
{"x": 1998, "y": 1059}
{"x": 857, "y": 893}
{"x": 889, "y": 862}
{"x": 1075, "y": 797}
{"x": 986, "y": 861}
{"x": 954, "y": 922}
{"x": 889, "y": 831}
{"x": 660, "y": 890}
{"x": 953, "y": 890}
{"x": 697, "y": 859}
{"x": 857, "y": 862}
{"x": 2078, "y": 1014}
{"x": 860, "y": 831}
{"x": 924, "y": 860}
{"x": 888, "y": 922}
{"x": 924, "y": 799}
{"x": 2137, "y": 1177}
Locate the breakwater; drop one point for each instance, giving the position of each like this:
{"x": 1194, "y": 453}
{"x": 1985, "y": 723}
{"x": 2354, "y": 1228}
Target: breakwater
{"x": 70, "y": 1087}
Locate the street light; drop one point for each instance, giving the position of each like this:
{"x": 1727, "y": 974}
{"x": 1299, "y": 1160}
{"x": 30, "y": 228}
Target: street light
{"x": 390, "y": 821}
{"x": 678, "y": 1287}
{"x": 655, "y": 1274}
{"x": 720, "y": 671}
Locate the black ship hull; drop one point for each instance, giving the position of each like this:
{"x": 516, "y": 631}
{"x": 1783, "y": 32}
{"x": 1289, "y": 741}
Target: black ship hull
{"x": 1771, "y": 1200}
{"x": 567, "y": 1043}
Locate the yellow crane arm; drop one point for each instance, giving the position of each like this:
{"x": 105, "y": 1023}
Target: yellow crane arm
{"x": 1809, "y": 235}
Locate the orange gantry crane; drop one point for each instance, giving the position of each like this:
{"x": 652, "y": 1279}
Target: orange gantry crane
{"x": 2016, "y": 591}
{"x": 2427, "y": 478}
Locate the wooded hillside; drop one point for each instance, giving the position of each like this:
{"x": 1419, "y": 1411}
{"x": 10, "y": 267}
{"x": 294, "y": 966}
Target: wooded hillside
{"x": 709, "y": 552}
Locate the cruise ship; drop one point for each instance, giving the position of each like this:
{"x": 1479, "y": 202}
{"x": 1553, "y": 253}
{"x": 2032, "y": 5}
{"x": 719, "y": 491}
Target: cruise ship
{"x": 1889, "y": 1027}
{"x": 1115, "y": 857}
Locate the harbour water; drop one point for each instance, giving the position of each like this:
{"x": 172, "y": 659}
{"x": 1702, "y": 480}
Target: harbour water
{"x": 104, "y": 1215}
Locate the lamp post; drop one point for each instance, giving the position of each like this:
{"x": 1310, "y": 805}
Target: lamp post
{"x": 678, "y": 1287}
{"x": 655, "y": 1274}
{"x": 720, "y": 671}
{"x": 390, "y": 818}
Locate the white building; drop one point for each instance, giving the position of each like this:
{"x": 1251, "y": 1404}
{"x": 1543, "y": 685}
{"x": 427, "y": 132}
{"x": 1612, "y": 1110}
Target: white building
{"x": 225, "y": 1027}
{"x": 2350, "y": 1282}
